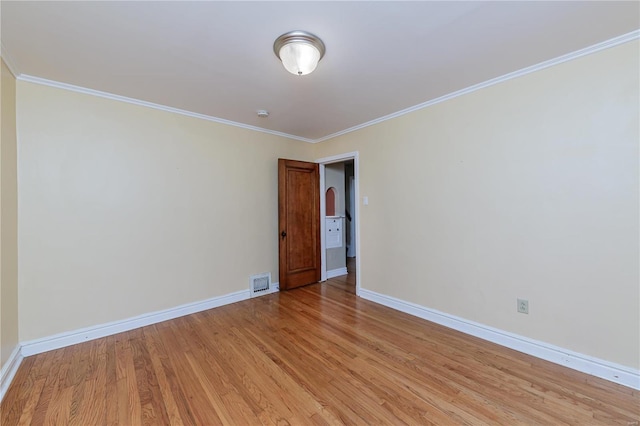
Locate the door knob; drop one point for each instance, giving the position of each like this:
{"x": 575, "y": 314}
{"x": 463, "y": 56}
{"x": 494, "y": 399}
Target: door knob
{"x": 283, "y": 234}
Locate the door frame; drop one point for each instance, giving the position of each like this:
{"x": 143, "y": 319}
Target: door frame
{"x": 356, "y": 213}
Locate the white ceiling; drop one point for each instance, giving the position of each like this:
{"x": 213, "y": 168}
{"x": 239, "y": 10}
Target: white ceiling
{"x": 216, "y": 58}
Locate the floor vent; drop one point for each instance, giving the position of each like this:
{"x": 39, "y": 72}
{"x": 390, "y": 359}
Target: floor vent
{"x": 260, "y": 284}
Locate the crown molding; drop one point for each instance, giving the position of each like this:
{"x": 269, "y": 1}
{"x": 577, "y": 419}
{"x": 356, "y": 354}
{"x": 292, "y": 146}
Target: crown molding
{"x": 616, "y": 41}
{"x": 8, "y": 60}
{"x": 98, "y": 93}
{"x": 625, "y": 38}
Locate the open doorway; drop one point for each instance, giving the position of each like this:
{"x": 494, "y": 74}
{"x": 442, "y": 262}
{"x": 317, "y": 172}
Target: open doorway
{"x": 339, "y": 221}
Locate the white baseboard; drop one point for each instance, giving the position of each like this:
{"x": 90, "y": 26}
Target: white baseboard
{"x": 95, "y": 332}
{"x": 9, "y": 370}
{"x": 337, "y": 272}
{"x": 600, "y": 368}
{"x": 586, "y": 364}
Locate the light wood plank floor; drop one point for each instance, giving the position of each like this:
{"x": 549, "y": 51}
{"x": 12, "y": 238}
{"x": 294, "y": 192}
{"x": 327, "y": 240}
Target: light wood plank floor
{"x": 315, "y": 355}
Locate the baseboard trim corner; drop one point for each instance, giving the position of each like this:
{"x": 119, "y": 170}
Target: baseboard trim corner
{"x": 62, "y": 340}
{"x": 584, "y": 363}
{"x": 9, "y": 370}
{"x": 337, "y": 272}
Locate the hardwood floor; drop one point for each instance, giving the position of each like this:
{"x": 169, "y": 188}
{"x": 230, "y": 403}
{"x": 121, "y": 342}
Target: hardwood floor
{"x": 314, "y": 355}
{"x": 346, "y": 282}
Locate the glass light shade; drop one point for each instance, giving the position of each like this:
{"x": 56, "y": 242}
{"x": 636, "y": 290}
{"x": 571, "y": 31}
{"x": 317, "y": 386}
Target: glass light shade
{"x": 299, "y": 58}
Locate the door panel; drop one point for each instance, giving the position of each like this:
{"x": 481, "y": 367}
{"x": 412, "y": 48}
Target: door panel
{"x": 299, "y": 223}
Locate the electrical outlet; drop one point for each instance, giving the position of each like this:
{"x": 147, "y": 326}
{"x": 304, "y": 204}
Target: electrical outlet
{"x": 523, "y": 306}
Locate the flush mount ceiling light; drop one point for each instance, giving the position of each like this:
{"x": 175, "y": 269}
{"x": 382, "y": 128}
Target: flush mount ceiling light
{"x": 299, "y": 51}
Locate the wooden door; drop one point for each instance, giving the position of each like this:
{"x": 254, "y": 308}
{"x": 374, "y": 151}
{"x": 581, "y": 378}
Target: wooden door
{"x": 299, "y": 223}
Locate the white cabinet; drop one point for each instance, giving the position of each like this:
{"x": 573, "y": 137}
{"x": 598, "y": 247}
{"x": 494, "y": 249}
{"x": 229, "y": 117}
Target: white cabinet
{"x": 334, "y": 231}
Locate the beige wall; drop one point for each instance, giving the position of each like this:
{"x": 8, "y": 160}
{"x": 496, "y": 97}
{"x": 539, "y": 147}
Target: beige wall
{"x": 526, "y": 189}
{"x": 8, "y": 217}
{"x": 126, "y": 210}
